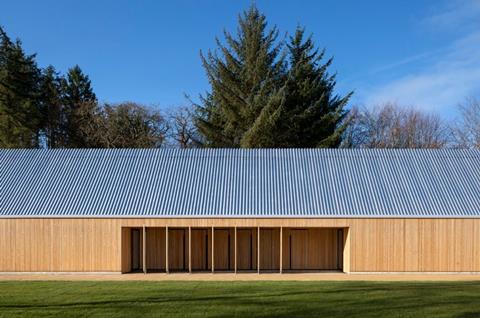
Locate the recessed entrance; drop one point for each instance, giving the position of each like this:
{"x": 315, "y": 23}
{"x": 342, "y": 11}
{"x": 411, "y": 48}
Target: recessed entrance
{"x": 186, "y": 249}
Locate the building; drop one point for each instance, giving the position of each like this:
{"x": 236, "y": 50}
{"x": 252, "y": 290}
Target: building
{"x": 265, "y": 210}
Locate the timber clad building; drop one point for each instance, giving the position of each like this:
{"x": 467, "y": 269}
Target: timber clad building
{"x": 235, "y": 210}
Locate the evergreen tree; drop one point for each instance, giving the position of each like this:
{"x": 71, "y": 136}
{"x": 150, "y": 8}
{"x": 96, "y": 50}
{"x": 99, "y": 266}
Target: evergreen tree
{"x": 20, "y": 117}
{"x": 78, "y": 94}
{"x": 243, "y": 78}
{"x": 53, "y": 119}
{"x": 310, "y": 114}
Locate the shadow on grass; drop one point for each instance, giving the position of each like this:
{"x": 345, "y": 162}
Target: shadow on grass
{"x": 259, "y": 299}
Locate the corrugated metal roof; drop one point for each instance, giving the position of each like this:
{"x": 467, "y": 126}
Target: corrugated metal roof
{"x": 240, "y": 183}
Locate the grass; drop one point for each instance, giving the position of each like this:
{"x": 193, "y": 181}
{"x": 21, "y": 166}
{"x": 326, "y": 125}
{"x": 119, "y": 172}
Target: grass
{"x": 241, "y": 299}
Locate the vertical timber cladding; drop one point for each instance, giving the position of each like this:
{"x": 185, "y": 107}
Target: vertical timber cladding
{"x": 415, "y": 245}
{"x": 178, "y": 249}
{"x": 126, "y": 249}
{"x": 201, "y": 249}
{"x": 224, "y": 247}
{"x": 246, "y": 249}
{"x": 373, "y": 245}
{"x": 312, "y": 249}
{"x": 269, "y": 249}
{"x": 156, "y": 245}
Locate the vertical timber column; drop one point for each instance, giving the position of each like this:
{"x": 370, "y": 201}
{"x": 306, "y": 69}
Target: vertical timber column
{"x": 166, "y": 250}
{"x": 346, "y": 249}
{"x": 258, "y": 249}
{"x": 213, "y": 250}
{"x": 235, "y": 254}
{"x": 190, "y": 249}
{"x": 281, "y": 250}
{"x": 144, "y": 254}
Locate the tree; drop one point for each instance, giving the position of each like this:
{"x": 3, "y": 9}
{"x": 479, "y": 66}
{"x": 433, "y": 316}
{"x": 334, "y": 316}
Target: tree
{"x": 52, "y": 109}
{"x": 183, "y": 130}
{"x": 19, "y": 108}
{"x": 126, "y": 125}
{"x": 467, "y": 129}
{"x": 243, "y": 78}
{"x": 78, "y": 94}
{"x": 391, "y": 126}
{"x": 308, "y": 113}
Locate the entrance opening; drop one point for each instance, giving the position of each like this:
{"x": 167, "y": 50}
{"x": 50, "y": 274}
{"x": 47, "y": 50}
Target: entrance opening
{"x": 313, "y": 249}
{"x": 299, "y": 249}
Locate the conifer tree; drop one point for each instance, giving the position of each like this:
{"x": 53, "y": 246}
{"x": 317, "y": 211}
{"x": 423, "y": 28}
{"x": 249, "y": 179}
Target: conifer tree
{"x": 51, "y": 99}
{"x": 19, "y": 108}
{"x": 244, "y": 75}
{"x": 78, "y": 94}
{"x": 309, "y": 114}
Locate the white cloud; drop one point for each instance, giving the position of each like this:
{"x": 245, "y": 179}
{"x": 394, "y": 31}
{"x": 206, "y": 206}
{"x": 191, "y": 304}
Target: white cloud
{"x": 456, "y": 13}
{"x": 451, "y": 74}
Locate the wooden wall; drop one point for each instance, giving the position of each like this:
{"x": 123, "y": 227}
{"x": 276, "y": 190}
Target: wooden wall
{"x": 224, "y": 249}
{"x": 270, "y": 249}
{"x": 201, "y": 249}
{"x": 246, "y": 249}
{"x": 126, "y": 256}
{"x": 371, "y": 245}
{"x": 177, "y": 249}
{"x": 415, "y": 245}
{"x": 311, "y": 249}
{"x": 156, "y": 250}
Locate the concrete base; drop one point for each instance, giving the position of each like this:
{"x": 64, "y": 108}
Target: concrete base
{"x": 239, "y": 277}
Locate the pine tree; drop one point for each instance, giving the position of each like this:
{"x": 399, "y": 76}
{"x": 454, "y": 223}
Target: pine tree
{"x": 53, "y": 119}
{"x": 243, "y": 78}
{"x": 310, "y": 114}
{"x": 20, "y": 116}
{"x": 78, "y": 94}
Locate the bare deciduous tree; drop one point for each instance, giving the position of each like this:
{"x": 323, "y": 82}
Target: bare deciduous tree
{"x": 126, "y": 125}
{"x": 466, "y": 131}
{"x": 183, "y": 129}
{"x": 392, "y": 126}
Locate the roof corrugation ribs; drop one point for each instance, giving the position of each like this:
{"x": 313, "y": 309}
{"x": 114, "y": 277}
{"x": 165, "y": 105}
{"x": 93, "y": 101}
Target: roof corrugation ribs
{"x": 239, "y": 183}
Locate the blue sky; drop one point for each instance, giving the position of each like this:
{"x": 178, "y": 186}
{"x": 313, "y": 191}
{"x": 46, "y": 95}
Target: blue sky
{"x": 420, "y": 53}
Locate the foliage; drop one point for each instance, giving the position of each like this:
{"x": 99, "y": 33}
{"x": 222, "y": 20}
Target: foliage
{"x": 243, "y": 79}
{"x": 392, "y": 126}
{"x": 80, "y": 106}
{"x": 467, "y": 130}
{"x": 183, "y": 129}
{"x": 126, "y": 125}
{"x": 19, "y": 95}
{"x": 42, "y": 108}
{"x": 308, "y": 114}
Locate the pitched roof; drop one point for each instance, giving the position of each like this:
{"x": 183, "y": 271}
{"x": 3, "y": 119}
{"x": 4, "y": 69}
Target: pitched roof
{"x": 239, "y": 183}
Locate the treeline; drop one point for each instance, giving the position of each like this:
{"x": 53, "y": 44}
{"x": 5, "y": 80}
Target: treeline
{"x": 265, "y": 91}
{"x": 42, "y": 108}
{"x": 394, "y": 126}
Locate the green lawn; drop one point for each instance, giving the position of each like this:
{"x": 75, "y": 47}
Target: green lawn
{"x": 241, "y": 299}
